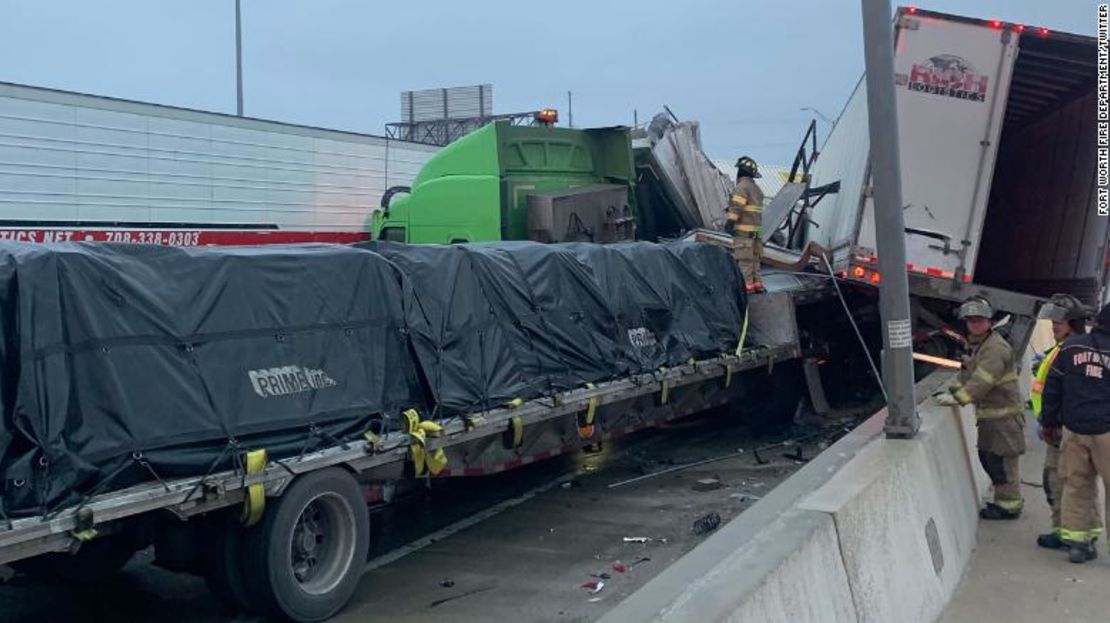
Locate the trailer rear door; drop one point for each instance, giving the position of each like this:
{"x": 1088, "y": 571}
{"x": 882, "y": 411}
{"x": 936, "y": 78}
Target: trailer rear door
{"x": 951, "y": 78}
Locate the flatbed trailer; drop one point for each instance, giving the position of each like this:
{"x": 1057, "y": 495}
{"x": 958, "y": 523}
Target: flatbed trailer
{"x": 187, "y": 519}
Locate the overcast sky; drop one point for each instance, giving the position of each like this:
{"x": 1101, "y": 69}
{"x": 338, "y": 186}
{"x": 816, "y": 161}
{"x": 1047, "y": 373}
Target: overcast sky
{"x": 744, "y": 68}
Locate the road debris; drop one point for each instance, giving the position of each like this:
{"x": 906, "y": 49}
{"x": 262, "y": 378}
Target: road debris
{"x": 707, "y": 484}
{"x": 594, "y": 586}
{"x": 637, "y": 539}
{"x": 670, "y": 470}
{"x": 447, "y": 583}
{"x": 619, "y": 567}
{"x": 707, "y": 524}
{"x": 601, "y": 576}
{"x": 440, "y": 602}
{"x": 744, "y": 497}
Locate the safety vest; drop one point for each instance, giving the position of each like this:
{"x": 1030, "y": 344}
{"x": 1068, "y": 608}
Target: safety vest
{"x": 1037, "y": 390}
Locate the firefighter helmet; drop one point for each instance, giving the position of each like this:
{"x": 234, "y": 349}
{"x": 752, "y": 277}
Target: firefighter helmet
{"x": 975, "y": 307}
{"x": 748, "y": 166}
{"x": 1064, "y": 307}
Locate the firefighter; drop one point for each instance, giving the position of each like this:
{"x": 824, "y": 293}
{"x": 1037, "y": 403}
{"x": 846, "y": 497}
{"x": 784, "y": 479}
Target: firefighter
{"x": 745, "y": 217}
{"x": 989, "y": 381}
{"x": 1076, "y": 400}
{"x": 1069, "y": 317}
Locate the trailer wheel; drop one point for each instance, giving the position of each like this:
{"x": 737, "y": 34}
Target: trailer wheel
{"x": 226, "y": 576}
{"x": 305, "y": 558}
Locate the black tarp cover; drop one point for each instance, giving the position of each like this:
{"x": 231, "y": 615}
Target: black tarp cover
{"x": 115, "y": 352}
{"x": 124, "y": 361}
{"x": 492, "y": 322}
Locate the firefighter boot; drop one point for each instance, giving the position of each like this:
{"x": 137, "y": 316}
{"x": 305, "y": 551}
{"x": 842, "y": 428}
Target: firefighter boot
{"x": 1051, "y": 541}
{"x": 1081, "y": 552}
{"x": 994, "y": 511}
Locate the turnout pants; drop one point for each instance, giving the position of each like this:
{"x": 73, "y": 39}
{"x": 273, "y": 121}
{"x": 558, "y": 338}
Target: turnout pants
{"x": 1001, "y": 444}
{"x": 1053, "y": 491}
{"x": 1083, "y": 459}
{"x": 748, "y": 250}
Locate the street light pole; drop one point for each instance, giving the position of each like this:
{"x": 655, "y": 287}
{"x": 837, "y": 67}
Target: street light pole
{"x": 894, "y": 304}
{"x": 238, "y": 58}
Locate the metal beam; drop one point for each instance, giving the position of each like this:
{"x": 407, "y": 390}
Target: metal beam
{"x": 894, "y": 302}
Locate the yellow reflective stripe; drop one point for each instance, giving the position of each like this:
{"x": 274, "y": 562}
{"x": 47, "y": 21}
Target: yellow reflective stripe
{"x": 749, "y": 228}
{"x": 752, "y": 207}
{"x": 733, "y": 216}
{"x": 984, "y": 376}
{"x": 1010, "y": 504}
{"x": 994, "y": 413}
{"x": 1008, "y": 377}
{"x": 1077, "y": 536}
{"x": 738, "y": 199}
{"x": 962, "y": 396}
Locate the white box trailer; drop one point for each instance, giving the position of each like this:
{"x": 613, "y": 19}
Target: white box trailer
{"x": 84, "y": 167}
{"x": 997, "y": 135}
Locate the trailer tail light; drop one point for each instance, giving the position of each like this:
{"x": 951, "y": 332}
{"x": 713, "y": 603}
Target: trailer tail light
{"x": 859, "y": 272}
{"x": 875, "y": 278}
{"x": 911, "y": 10}
{"x": 1019, "y": 27}
{"x": 996, "y": 23}
{"x": 1043, "y": 32}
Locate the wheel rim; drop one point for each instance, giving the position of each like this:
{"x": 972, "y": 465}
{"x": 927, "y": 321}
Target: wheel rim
{"x": 322, "y": 544}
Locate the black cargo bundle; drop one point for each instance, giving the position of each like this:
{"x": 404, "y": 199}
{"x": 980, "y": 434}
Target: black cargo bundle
{"x": 120, "y": 360}
{"x": 494, "y": 322}
{"x": 128, "y": 363}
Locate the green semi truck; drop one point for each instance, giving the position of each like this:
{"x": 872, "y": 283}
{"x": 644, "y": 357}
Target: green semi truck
{"x": 505, "y": 182}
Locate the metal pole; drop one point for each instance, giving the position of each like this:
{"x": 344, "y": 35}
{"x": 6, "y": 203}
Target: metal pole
{"x": 238, "y": 58}
{"x": 570, "y": 111}
{"x": 894, "y": 303}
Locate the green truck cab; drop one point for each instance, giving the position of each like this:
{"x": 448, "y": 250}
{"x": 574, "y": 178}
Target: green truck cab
{"x": 478, "y": 188}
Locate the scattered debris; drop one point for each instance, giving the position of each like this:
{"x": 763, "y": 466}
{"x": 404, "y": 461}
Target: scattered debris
{"x": 571, "y": 484}
{"x": 440, "y": 602}
{"x": 619, "y": 567}
{"x": 744, "y": 497}
{"x": 642, "y": 559}
{"x": 594, "y": 600}
{"x": 594, "y": 586}
{"x": 670, "y": 470}
{"x": 637, "y": 539}
{"x": 446, "y": 583}
{"x": 601, "y": 576}
{"x": 707, "y": 484}
{"x": 707, "y": 524}
{"x": 1075, "y": 580}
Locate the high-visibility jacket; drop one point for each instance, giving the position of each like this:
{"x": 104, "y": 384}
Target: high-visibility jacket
{"x": 988, "y": 378}
{"x": 745, "y": 209}
{"x": 1037, "y": 391}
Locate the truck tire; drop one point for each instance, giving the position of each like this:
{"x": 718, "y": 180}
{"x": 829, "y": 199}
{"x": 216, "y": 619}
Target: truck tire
{"x": 96, "y": 561}
{"x": 226, "y": 574}
{"x": 305, "y": 558}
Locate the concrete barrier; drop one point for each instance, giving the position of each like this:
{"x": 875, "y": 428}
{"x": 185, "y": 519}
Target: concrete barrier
{"x": 871, "y": 530}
